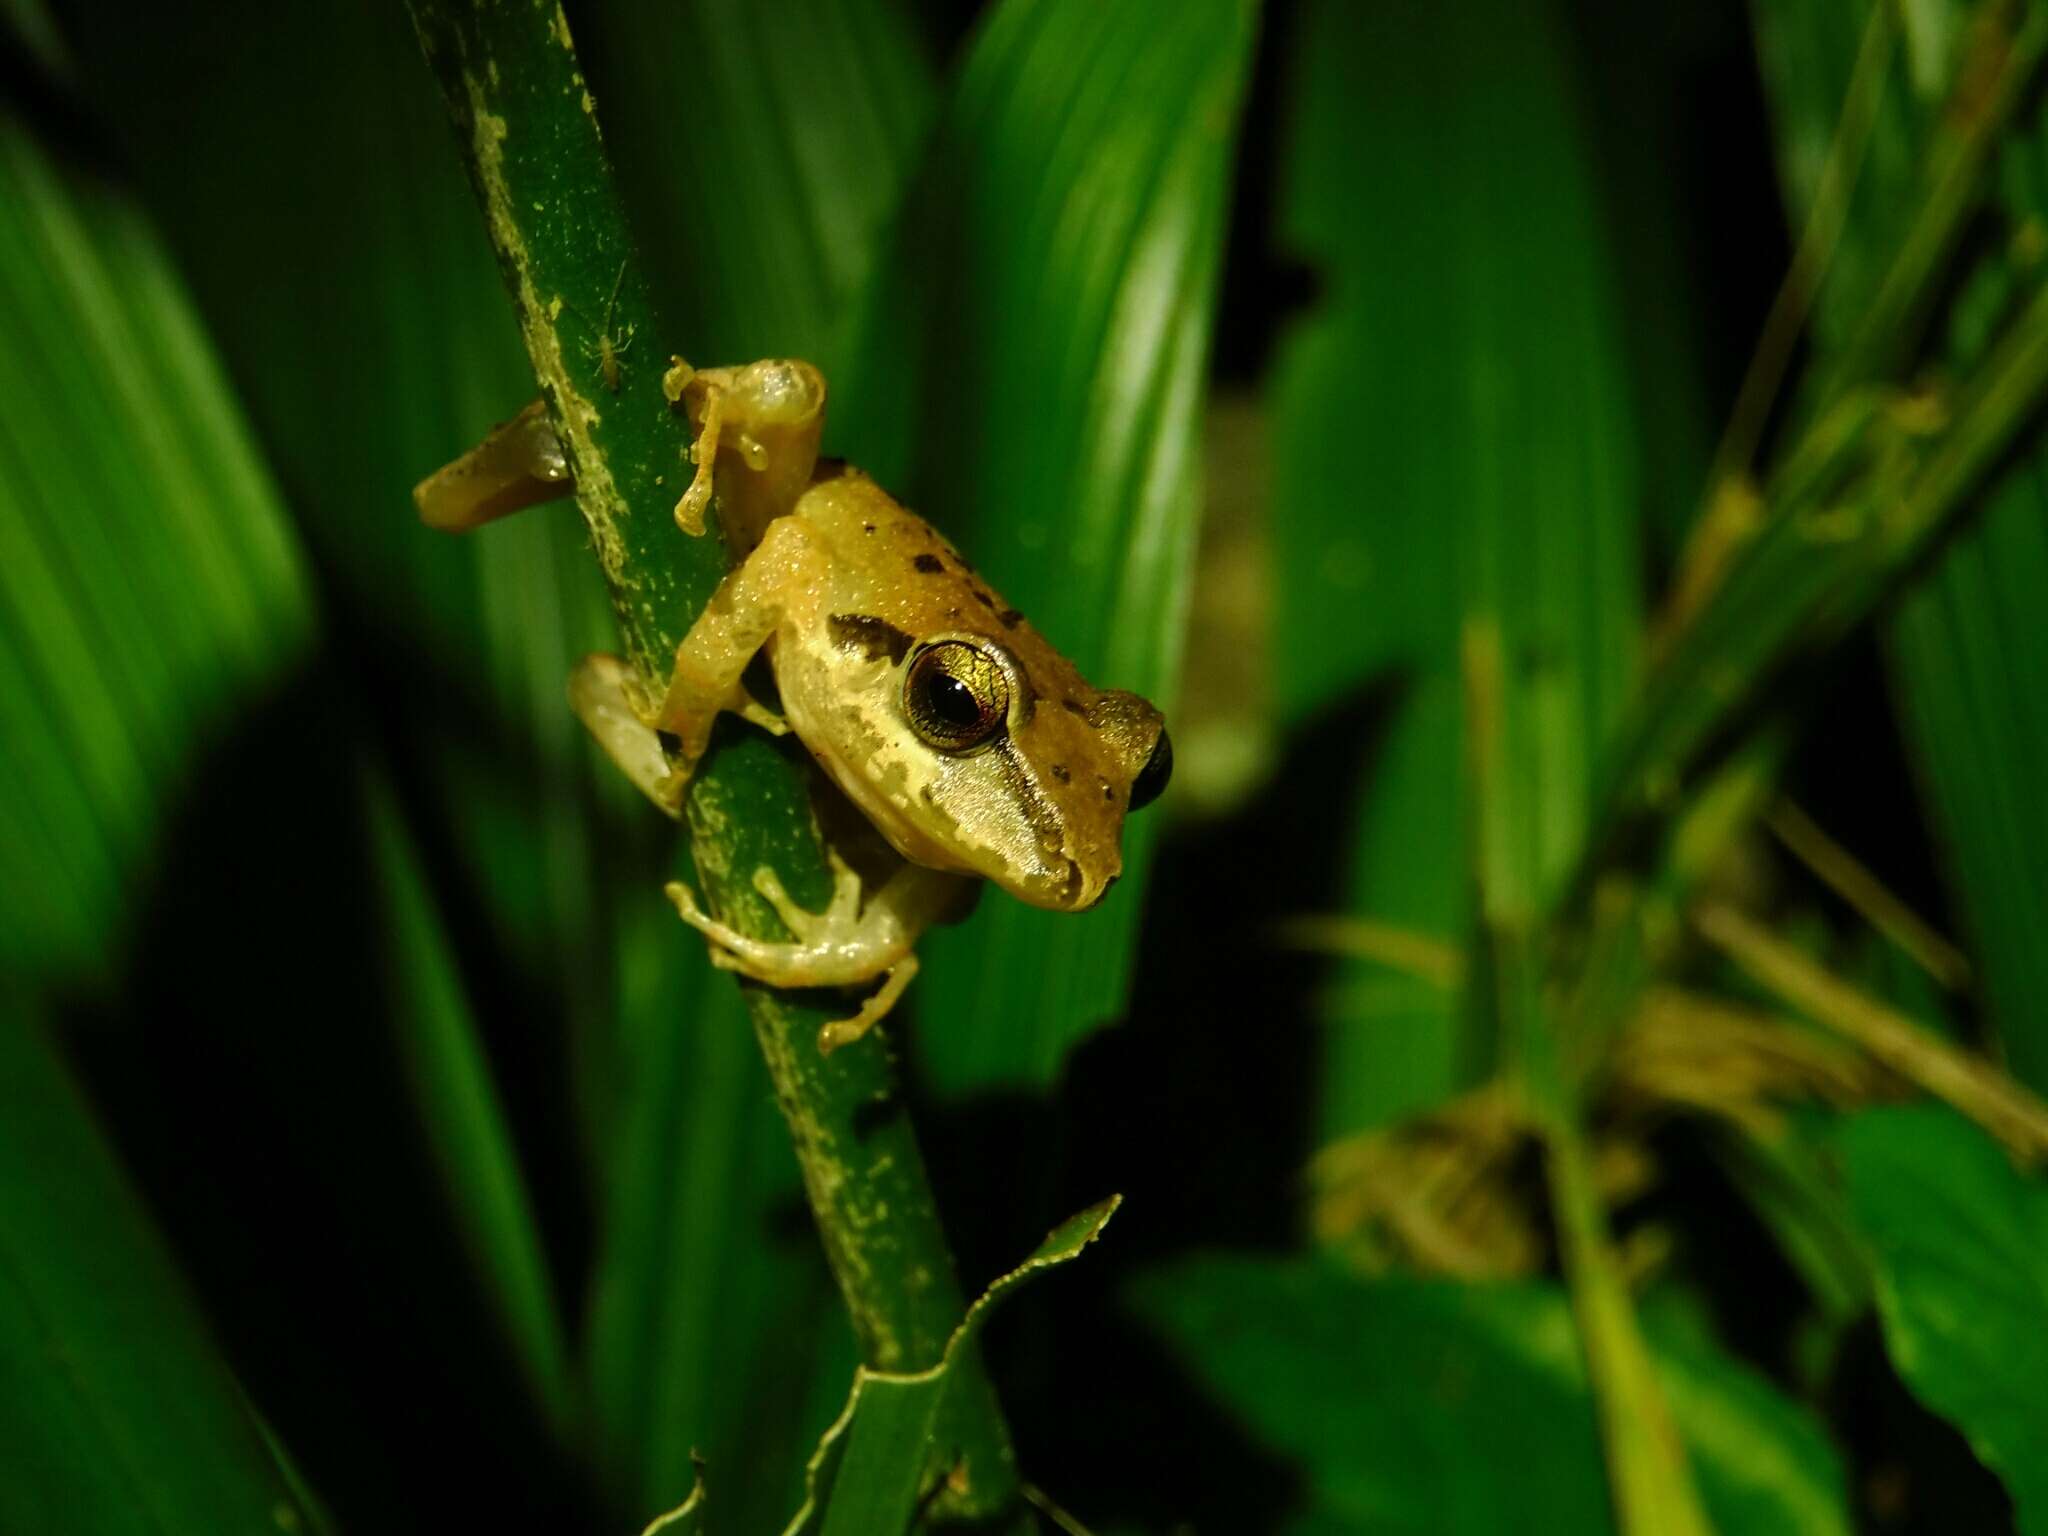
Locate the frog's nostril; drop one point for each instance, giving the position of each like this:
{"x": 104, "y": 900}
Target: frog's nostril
{"x": 1152, "y": 777}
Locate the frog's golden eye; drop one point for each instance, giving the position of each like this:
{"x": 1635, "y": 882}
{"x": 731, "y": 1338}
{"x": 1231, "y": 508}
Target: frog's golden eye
{"x": 956, "y": 695}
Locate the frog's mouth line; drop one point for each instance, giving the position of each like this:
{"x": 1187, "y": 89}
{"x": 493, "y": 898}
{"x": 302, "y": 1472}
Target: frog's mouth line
{"x": 1070, "y": 888}
{"x": 1047, "y": 825}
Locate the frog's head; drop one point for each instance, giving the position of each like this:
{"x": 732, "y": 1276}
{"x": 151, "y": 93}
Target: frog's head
{"x": 1025, "y": 772}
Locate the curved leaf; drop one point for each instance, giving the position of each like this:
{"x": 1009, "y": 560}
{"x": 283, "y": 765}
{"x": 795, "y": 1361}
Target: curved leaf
{"x": 887, "y": 1452}
{"x": 149, "y": 584}
{"x": 1030, "y": 377}
{"x": 1962, "y": 1283}
{"x": 117, "y": 1413}
{"x": 462, "y": 1116}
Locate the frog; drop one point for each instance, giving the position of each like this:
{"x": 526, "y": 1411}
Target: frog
{"x": 952, "y": 728}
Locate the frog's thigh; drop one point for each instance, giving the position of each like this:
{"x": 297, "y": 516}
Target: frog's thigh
{"x": 603, "y": 694}
{"x": 740, "y": 617}
{"x": 520, "y": 464}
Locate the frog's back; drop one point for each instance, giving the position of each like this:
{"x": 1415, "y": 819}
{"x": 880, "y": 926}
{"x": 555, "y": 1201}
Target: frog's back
{"x": 905, "y": 571}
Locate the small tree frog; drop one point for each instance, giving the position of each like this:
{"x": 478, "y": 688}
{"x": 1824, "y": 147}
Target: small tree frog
{"x": 969, "y": 743}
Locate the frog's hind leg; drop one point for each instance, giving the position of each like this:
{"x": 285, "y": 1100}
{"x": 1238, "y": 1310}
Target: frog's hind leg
{"x": 845, "y": 945}
{"x": 519, "y": 465}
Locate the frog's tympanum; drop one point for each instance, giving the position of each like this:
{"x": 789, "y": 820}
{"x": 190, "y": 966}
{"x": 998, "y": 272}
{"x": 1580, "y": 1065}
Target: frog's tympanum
{"x": 945, "y": 718}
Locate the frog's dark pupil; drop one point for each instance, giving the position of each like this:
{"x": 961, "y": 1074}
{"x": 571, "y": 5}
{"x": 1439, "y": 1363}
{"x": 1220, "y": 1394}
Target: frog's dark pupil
{"x": 953, "y": 702}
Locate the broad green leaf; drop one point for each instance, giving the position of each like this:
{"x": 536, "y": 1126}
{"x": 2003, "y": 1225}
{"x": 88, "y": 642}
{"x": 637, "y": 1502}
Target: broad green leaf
{"x": 1969, "y": 665}
{"x": 150, "y": 587}
{"x": 766, "y": 161}
{"x": 887, "y": 1451}
{"x": 364, "y": 321}
{"x": 1962, "y": 1283}
{"x": 1030, "y": 378}
{"x": 174, "y": 554}
{"x": 1454, "y": 452}
{"x": 117, "y": 1412}
{"x": 1431, "y": 1407}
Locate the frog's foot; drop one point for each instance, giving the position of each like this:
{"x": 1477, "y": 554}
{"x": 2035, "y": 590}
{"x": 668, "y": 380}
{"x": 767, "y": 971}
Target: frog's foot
{"x": 873, "y": 1009}
{"x": 704, "y": 452}
{"x": 844, "y": 945}
{"x": 758, "y": 426}
{"x": 606, "y": 698}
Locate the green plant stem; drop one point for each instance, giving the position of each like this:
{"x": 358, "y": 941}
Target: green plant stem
{"x": 1647, "y": 1472}
{"x": 528, "y": 133}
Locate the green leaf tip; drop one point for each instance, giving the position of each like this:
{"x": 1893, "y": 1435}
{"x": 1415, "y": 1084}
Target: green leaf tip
{"x": 889, "y": 1450}
{"x": 687, "y": 1519}
{"x": 1062, "y": 1243}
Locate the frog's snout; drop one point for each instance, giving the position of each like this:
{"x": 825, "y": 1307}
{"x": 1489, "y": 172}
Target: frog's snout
{"x": 1152, "y": 778}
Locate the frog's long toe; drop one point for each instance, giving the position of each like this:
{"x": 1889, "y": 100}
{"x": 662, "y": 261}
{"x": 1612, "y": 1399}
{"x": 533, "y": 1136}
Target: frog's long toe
{"x": 872, "y": 1011}
{"x": 815, "y": 928}
{"x": 731, "y": 950}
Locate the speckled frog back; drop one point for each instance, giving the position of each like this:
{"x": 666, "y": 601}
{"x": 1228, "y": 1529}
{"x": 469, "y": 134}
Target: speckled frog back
{"x": 1038, "y": 805}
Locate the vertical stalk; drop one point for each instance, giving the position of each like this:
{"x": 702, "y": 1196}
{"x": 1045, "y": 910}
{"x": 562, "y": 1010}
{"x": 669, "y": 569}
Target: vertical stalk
{"x": 528, "y": 133}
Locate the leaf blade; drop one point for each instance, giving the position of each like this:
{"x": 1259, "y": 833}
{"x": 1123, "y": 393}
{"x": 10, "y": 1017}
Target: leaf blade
{"x": 1962, "y": 1288}
{"x": 1030, "y": 372}
{"x": 116, "y": 1408}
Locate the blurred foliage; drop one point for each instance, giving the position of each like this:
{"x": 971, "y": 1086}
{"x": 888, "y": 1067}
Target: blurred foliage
{"x": 376, "y": 1153}
{"x": 1496, "y": 1432}
{"x": 1961, "y": 1285}
{"x": 1969, "y": 670}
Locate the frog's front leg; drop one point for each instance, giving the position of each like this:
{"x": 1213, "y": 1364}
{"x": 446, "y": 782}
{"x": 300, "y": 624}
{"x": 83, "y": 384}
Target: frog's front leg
{"x": 745, "y": 610}
{"x": 844, "y": 945}
{"x": 710, "y": 662}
